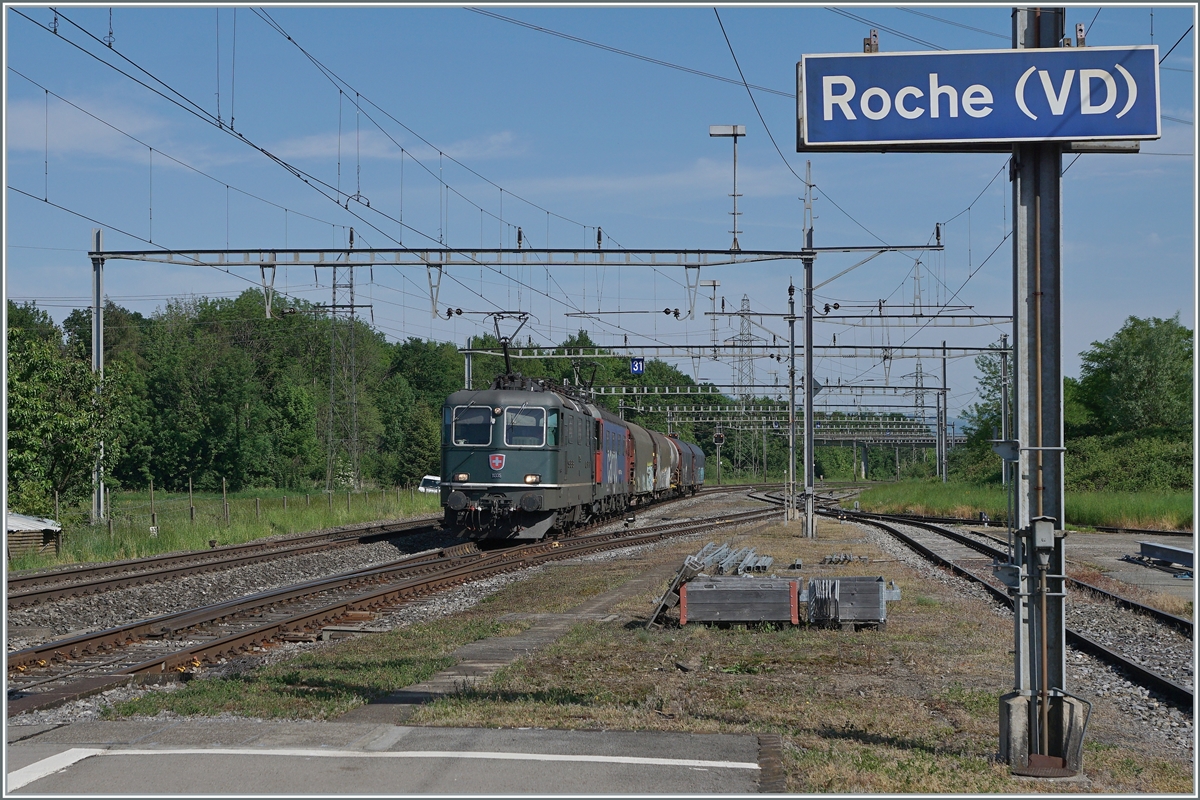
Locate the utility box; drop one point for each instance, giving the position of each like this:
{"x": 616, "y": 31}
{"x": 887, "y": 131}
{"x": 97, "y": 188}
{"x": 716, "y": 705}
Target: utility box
{"x": 739, "y": 598}
{"x": 849, "y": 602}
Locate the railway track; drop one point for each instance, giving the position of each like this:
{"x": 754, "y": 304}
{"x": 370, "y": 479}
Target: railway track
{"x": 971, "y": 558}
{"x": 80, "y": 580}
{"x": 50, "y": 673}
{"x": 975, "y": 521}
{"x": 980, "y": 542}
{"x": 29, "y": 590}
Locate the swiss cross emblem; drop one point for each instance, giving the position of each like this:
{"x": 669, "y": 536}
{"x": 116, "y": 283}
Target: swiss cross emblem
{"x": 496, "y": 460}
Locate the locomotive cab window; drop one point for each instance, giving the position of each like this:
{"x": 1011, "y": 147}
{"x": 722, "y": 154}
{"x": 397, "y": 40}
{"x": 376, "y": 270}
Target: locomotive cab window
{"x": 552, "y": 428}
{"x": 472, "y": 425}
{"x": 525, "y": 427}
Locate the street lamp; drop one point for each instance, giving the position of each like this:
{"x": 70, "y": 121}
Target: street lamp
{"x": 733, "y": 131}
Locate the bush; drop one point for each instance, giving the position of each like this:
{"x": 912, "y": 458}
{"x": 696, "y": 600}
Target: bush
{"x": 1127, "y": 462}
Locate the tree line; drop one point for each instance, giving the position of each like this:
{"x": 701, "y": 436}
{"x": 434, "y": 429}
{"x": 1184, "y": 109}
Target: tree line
{"x": 212, "y": 392}
{"x": 1127, "y": 418}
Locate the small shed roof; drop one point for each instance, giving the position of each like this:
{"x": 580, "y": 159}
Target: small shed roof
{"x": 21, "y": 522}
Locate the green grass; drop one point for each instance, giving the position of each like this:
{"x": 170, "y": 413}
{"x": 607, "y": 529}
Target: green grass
{"x": 1156, "y": 510}
{"x": 932, "y": 499}
{"x": 131, "y": 536}
{"x": 326, "y": 683}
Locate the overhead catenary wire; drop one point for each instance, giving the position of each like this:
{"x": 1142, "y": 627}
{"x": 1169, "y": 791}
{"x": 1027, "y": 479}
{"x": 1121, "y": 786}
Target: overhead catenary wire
{"x": 626, "y": 53}
{"x": 957, "y": 24}
{"x": 337, "y": 80}
{"x": 295, "y": 172}
{"x": 126, "y": 233}
{"x": 444, "y": 189}
{"x": 826, "y": 194}
{"x": 761, "y": 119}
{"x": 892, "y": 31}
{"x": 569, "y": 305}
{"x": 1181, "y": 38}
{"x": 482, "y": 210}
{"x": 771, "y": 136}
{"x": 309, "y": 179}
{"x": 286, "y": 210}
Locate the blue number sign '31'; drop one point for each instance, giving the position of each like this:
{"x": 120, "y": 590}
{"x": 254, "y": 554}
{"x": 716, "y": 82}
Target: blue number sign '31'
{"x": 1046, "y": 94}
{"x": 637, "y": 366}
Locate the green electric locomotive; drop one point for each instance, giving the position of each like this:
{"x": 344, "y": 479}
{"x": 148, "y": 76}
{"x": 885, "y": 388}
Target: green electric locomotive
{"x": 526, "y": 457}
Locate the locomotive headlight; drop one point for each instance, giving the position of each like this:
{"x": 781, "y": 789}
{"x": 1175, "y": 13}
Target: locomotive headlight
{"x": 461, "y": 477}
{"x": 533, "y": 479}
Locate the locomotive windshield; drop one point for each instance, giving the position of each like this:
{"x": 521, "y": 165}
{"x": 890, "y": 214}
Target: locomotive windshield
{"x": 525, "y": 427}
{"x": 472, "y": 425}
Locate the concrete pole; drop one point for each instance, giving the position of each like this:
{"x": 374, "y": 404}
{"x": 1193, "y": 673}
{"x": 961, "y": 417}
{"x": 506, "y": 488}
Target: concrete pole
{"x": 809, "y": 444}
{"x": 808, "y": 255}
{"x": 98, "y": 510}
{"x": 945, "y": 420}
{"x": 467, "y": 364}
{"x": 1004, "y": 404}
{"x": 791, "y": 488}
{"x": 1040, "y": 724}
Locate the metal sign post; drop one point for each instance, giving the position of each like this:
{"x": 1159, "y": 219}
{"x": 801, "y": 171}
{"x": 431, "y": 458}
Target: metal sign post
{"x": 1041, "y": 724}
{"x": 1038, "y": 100}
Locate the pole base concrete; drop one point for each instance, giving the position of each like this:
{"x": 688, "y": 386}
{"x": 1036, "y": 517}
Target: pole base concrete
{"x": 1068, "y": 722}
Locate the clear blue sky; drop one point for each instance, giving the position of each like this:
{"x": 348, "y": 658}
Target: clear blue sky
{"x": 594, "y": 137}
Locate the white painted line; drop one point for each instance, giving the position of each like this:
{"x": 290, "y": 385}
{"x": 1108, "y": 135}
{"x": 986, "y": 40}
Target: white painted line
{"x": 258, "y": 752}
{"x": 48, "y": 766}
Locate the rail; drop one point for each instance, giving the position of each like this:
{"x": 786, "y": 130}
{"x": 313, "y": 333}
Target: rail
{"x": 363, "y": 590}
{"x": 41, "y": 587}
{"x": 1173, "y": 691}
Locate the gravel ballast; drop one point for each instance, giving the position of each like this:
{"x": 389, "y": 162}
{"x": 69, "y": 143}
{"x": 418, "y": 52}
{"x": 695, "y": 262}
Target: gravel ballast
{"x": 1123, "y": 710}
{"x": 1118, "y": 701}
{"x": 77, "y": 615}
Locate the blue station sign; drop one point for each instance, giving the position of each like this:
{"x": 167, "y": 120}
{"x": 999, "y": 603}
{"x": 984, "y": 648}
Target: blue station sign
{"x": 977, "y": 96}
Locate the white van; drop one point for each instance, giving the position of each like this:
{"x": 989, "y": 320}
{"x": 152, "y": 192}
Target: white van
{"x": 430, "y": 484}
